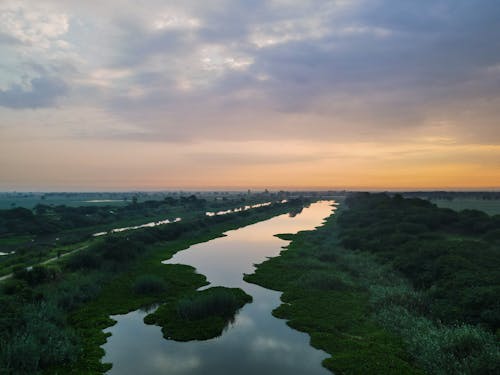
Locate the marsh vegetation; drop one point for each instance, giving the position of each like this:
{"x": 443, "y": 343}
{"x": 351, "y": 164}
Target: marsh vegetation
{"x": 51, "y": 317}
{"x": 201, "y": 315}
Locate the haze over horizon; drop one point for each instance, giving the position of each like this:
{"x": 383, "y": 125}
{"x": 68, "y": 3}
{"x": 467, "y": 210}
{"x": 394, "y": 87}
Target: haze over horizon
{"x": 153, "y": 95}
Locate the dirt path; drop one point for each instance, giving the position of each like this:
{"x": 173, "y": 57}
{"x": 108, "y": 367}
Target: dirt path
{"x": 51, "y": 260}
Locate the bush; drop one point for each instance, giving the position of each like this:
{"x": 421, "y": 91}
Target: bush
{"x": 76, "y": 290}
{"x": 120, "y": 250}
{"x": 322, "y": 281}
{"x": 399, "y": 295}
{"x": 37, "y": 275}
{"x": 40, "y": 342}
{"x": 149, "y": 284}
{"x": 443, "y": 350}
{"x": 83, "y": 260}
{"x": 215, "y": 301}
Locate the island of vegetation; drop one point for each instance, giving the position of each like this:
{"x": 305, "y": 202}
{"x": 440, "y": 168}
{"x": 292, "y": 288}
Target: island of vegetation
{"x": 201, "y": 315}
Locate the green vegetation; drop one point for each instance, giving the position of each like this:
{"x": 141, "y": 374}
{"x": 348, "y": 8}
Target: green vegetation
{"x": 324, "y": 297}
{"x": 491, "y": 207}
{"x": 80, "y": 292}
{"x": 448, "y": 310}
{"x": 32, "y": 236}
{"x": 394, "y": 285}
{"x": 201, "y": 315}
{"x": 454, "y": 257}
{"x": 149, "y": 284}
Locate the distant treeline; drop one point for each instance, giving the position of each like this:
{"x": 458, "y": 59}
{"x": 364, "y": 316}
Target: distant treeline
{"x": 453, "y": 256}
{"x": 450, "y": 195}
{"x": 46, "y": 219}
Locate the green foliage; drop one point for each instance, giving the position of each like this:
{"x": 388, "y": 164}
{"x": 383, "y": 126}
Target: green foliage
{"x": 37, "y": 275}
{"x": 83, "y": 260}
{"x": 201, "y": 315}
{"x": 214, "y": 301}
{"x": 325, "y": 295}
{"x": 321, "y": 280}
{"x": 444, "y": 350}
{"x": 40, "y": 339}
{"x": 372, "y": 319}
{"x": 455, "y": 258}
{"x": 116, "y": 279}
{"x": 149, "y": 284}
{"x": 453, "y": 274}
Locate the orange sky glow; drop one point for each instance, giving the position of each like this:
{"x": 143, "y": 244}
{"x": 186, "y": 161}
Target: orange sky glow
{"x": 202, "y": 95}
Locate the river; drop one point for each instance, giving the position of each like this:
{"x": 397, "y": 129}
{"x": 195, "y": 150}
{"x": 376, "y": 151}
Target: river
{"x": 256, "y": 342}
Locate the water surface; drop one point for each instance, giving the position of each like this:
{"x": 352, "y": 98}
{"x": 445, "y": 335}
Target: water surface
{"x": 256, "y": 342}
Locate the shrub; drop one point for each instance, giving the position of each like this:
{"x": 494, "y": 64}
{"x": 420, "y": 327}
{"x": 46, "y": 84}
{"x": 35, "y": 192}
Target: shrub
{"x": 42, "y": 340}
{"x": 37, "y": 275}
{"x": 119, "y": 249}
{"x": 321, "y": 280}
{"x": 399, "y": 295}
{"x": 215, "y": 301}
{"x": 83, "y": 260}
{"x": 443, "y": 350}
{"x": 149, "y": 284}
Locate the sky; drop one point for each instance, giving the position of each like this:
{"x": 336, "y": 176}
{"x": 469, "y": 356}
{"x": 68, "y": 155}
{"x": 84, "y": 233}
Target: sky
{"x": 278, "y": 94}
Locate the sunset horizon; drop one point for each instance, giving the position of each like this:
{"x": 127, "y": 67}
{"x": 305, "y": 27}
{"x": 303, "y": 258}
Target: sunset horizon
{"x": 306, "y": 95}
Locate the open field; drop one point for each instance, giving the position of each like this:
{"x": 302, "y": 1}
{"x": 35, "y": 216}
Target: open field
{"x": 31, "y": 201}
{"x": 491, "y": 207}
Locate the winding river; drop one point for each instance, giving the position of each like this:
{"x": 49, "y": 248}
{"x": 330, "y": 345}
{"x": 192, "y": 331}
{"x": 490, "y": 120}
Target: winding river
{"x": 255, "y": 343}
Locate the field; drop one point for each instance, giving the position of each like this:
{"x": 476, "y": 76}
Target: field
{"x": 491, "y": 207}
{"x": 31, "y": 200}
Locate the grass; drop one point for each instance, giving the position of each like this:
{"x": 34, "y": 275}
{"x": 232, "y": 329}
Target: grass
{"x": 30, "y": 202}
{"x": 201, "y": 315}
{"x": 491, "y": 207}
{"x": 321, "y": 297}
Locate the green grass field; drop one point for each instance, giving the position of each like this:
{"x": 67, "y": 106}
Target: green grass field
{"x": 491, "y": 207}
{"x": 30, "y": 202}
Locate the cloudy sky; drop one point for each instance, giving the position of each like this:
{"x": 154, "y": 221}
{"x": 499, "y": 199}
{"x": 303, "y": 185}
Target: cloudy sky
{"x": 155, "y": 94}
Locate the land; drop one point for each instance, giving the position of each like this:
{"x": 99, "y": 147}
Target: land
{"x": 491, "y": 207}
{"x": 389, "y": 284}
{"x": 30, "y": 236}
{"x": 394, "y": 286}
{"x": 201, "y": 315}
{"x": 486, "y": 201}
{"x": 70, "y": 302}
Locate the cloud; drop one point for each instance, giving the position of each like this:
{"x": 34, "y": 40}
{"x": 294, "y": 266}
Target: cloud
{"x": 191, "y": 71}
{"x": 44, "y": 92}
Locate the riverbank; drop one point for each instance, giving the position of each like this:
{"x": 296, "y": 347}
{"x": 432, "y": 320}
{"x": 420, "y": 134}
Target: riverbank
{"x": 254, "y": 341}
{"x": 119, "y": 296}
{"x": 394, "y": 286}
{"x": 29, "y": 237}
{"x": 321, "y": 297}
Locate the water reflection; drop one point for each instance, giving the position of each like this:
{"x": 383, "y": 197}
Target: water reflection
{"x": 2, "y": 253}
{"x": 147, "y": 225}
{"x": 255, "y": 342}
{"x": 243, "y": 208}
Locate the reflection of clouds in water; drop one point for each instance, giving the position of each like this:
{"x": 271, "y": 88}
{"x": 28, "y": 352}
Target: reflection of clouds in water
{"x": 175, "y": 363}
{"x": 290, "y": 354}
{"x": 268, "y": 343}
{"x": 245, "y": 322}
{"x": 257, "y": 342}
